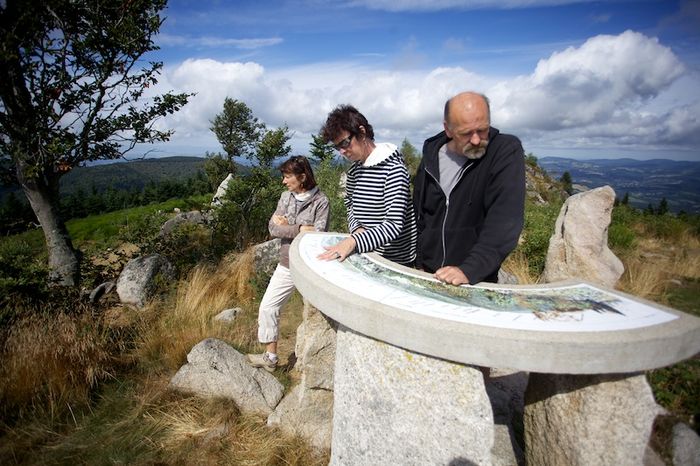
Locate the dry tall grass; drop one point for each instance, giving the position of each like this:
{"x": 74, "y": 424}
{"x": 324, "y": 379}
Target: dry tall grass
{"x": 517, "y": 265}
{"x": 50, "y": 363}
{"x": 656, "y": 265}
{"x": 196, "y": 431}
{"x": 170, "y": 330}
{"x": 137, "y": 419}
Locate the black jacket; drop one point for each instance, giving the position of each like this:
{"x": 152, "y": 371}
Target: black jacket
{"x": 481, "y": 223}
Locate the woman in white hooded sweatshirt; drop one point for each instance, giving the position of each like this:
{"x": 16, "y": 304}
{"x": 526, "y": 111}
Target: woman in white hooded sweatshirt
{"x": 378, "y": 199}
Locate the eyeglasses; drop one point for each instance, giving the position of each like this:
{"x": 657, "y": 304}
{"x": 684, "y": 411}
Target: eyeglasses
{"x": 344, "y": 144}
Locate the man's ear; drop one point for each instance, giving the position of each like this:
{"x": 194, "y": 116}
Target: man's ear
{"x": 361, "y": 130}
{"x": 447, "y": 129}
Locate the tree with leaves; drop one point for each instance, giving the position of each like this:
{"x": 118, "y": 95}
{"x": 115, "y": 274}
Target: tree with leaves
{"x": 72, "y": 91}
{"x": 663, "y": 207}
{"x": 273, "y": 144}
{"x": 237, "y": 130}
{"x": 217, "y": 167}
{"x": 567, "y": 183}
{"x": 411, "y": 157}
{"x": 320, "y": 150}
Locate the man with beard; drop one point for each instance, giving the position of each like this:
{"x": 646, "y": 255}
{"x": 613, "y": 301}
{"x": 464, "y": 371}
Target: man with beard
{"x": 469, "y": 195}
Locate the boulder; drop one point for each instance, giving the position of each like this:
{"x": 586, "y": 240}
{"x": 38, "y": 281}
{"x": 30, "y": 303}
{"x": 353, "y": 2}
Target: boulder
{"x": 307, "y": 413}
{"x": 137, "y": 280}
{"x": 266, "y": 256}
{"x": 588, "y": 419}
{"x": 228, "y": 315}
{"x": 101, "y": 290}
{"x": 506, "y": 278}
{"x": 686, "y": 446}
{"x": 579, "y": 245}
{"x": 308, "y": 409}
{"x": 194, "y": 218}
{"x": 216, "y": 369}
{"x": 394, "y": 407}
{"x": 218, "y": 199}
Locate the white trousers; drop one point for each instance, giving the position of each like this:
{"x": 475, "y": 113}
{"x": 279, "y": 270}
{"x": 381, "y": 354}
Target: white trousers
{"x": 276, "y": 295}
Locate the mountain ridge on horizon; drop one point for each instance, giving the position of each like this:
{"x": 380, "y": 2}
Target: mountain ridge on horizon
{"x": 646, "y": 181}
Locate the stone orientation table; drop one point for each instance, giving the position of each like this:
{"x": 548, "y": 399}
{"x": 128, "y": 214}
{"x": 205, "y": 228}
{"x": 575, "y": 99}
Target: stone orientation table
{"x": 407, "y": 343}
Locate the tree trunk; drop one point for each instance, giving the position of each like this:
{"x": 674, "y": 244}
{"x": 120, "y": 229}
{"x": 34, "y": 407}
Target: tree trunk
{"x": 64, "y": 266}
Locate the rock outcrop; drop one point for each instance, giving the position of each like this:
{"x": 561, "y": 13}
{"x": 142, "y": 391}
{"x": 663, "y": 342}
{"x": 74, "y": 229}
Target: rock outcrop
{"x": 218, "y": 199}
{"x": 308, "y": 409}
{"x": 686, "y": 446}
{"x": 266, "y": 256}
{"x": 215, "y": 369}
{"x": 194, "y": 217}
{"x": 579, "y": 245}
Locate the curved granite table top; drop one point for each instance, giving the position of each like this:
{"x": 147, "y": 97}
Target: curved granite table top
{"x": 568, "y": 327}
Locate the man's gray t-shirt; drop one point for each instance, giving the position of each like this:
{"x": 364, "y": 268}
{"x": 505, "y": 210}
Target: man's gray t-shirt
{"x": 450, "y": 166}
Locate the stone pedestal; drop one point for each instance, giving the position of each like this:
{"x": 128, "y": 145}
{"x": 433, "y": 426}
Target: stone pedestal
{"x": 587, "y": 419}
{"x": 407, "y": 390}
{"x": 395, "y": 407}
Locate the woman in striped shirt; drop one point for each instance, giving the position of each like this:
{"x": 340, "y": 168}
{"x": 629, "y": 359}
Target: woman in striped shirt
{"x": 378, "y": 200}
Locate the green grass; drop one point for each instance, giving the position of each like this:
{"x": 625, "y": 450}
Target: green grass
{"x": 102, "y": 231}
{"x": 686, "y": 297}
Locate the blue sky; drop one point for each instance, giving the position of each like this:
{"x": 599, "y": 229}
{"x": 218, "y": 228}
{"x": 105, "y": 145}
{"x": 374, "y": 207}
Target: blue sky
{"x": 574, "y": 79}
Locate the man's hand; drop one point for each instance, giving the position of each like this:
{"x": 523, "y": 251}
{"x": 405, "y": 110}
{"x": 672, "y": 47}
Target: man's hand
{"x": 451, "y": 275}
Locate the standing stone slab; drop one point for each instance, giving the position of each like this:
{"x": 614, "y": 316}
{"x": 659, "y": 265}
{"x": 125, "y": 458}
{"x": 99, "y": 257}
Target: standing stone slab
{"x": 396, "y": 407}
{"x": 579, "y": 245}
{"x": 587, "y": 419}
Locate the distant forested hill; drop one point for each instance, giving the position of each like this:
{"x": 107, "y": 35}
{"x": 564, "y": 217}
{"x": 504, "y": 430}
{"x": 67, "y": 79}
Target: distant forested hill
{"x": 646, "y": 181}
{"x": 129, "y": 176}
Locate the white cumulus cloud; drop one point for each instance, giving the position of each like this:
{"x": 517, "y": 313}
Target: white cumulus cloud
{"x": 619, "y": 93}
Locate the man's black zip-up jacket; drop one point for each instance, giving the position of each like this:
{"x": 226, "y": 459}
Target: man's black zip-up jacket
{"x": 481, "y": 222}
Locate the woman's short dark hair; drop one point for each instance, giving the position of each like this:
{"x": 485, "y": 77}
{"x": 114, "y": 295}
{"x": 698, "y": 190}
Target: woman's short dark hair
{"x": 298, "y": 165}
{"x": 345, "y": 118}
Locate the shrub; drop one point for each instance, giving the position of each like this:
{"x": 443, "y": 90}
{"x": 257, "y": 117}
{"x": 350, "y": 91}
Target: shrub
{"x": 666, "y": 227}
{"x": 621, "y": 237}
{"x": 242, "y": 220}
{"x": 539, "y": 226}
{"x": 185, "y": 246}
{"x": 23, "y": 275}
{"x": 143, "y": 230}
{"x": 677, "y": 388}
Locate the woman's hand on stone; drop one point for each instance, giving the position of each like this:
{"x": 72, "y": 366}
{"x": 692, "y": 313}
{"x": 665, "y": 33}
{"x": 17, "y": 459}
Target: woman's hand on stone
{"x": 340, "y": 251}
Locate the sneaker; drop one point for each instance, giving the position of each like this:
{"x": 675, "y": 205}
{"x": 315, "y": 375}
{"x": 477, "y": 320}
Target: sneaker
{"x": 262, "y": 360}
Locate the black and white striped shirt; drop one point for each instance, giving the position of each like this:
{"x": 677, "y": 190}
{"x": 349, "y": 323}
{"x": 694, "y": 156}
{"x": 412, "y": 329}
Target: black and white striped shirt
{"x": 378, "y": 199}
